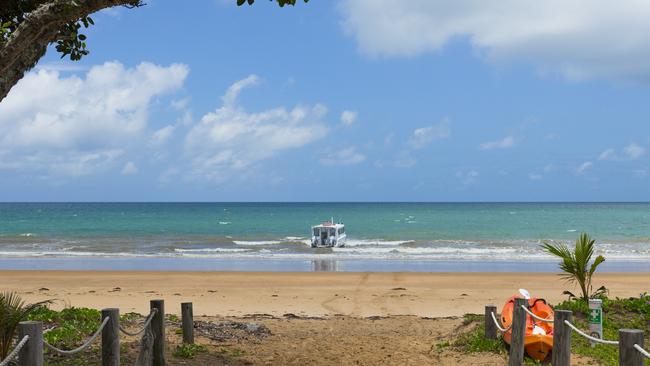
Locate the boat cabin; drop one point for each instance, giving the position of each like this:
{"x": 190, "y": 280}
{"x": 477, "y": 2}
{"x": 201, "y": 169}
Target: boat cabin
{"x": 328, "y": 234}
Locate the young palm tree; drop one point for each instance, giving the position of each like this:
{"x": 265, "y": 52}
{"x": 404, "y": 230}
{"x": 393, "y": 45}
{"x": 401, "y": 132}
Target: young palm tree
{"x": 576, "y": 264}
{"x": 13, "y": 310}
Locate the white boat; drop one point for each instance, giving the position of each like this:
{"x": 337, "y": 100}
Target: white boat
{"x": 328, "y": 234}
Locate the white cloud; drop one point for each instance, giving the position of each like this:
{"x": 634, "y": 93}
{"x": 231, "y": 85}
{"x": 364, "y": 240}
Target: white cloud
{"x": 180, "y": 104}
{"x": 161, "y": 136}
{"x": 129, "y": 168}
{"x": 347, "y": 156}
{"x": 231, "y": 138}
{"x": 467, "y": 177}
{"x": 425, "y": 135}
{"x": 535, "y": 176}
{"x": 348, "y": 117}
{"x": 577, "y": 38}
{"x": 77, "y": 125}
{"x": 584, "y": 167}
{"x": 634, "y": 151}
{"x": 608, "y": 154}
{"x": 631, "y": 152}
{"x": 505, "y": 143}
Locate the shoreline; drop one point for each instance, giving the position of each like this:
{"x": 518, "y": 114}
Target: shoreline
{"x": 179, "y": 264}
{"x": 354, "y": 294}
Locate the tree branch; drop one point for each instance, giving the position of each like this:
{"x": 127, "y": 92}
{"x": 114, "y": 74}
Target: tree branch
{"x": 28, "y": 43}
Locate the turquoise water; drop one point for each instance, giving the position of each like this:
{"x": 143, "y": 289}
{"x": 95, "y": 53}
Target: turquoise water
{"x": 266, "y": 231}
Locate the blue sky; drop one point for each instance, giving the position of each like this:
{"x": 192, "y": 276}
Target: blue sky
{"x": 343, "y": 100}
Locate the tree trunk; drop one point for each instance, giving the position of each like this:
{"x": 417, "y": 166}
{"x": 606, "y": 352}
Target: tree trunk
{"x": 28, "y": 43}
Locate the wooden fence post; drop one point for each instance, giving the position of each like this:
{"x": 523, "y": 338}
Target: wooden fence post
{"x": 32, "y": 352}
{"x": 111, "y": 337}
{"x": 517, "y": 336}
{"x": 627, "y": 354}
{"x": 158, "y": 329}
{"x": 490, "y": 327}
{"x": 188, "y": 322}
{"x": 561, "y": 355}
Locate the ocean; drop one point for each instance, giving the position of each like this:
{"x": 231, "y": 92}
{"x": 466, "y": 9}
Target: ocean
{"x": 275, "y": 236}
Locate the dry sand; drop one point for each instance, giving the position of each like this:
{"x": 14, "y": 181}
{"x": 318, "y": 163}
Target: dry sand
{"x": 301, "y": 293}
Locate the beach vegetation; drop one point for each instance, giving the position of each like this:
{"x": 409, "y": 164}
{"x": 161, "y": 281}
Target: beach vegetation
{"x": 68, "y": 327}
{"x": 631, "y": 313}
{"x": 189, "y": 350}
{"x": 577, "y": 265}
{"x": 13, "y": 310}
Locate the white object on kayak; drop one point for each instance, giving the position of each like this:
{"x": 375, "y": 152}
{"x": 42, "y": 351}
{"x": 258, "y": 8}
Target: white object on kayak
{"x": 539, "y": 330}
{"x": 524, "y": 293}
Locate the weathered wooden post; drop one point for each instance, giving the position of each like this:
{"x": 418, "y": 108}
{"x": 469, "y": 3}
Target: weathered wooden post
{"x": 111, "y": 337}
{"x": 627, "y": 354}
{"x": 158, "y": 329}
{"x": 187, "y": 316}
{"x": 518, "y": 330}
{"x": 32, "y": 352}
{"x": 490, "y": 327}
{"x": 561, "y": 355}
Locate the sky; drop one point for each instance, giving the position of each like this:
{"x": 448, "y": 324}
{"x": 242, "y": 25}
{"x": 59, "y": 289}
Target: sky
{"x": 340, "y": 100}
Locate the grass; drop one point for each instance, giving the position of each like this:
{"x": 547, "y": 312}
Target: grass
{"x": 632, "y": 313}
{"x": 189, "y": 350}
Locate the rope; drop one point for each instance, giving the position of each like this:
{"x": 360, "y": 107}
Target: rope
{"x": 502, "y": 330}
{"x": 597, "y": 340}
{"x": 83, "y": 346}
{"x": 144, "y": 325}
{"x": 15, "y": 351}
{"x": 642, "y": 351}
{"x": 535, "y": 316}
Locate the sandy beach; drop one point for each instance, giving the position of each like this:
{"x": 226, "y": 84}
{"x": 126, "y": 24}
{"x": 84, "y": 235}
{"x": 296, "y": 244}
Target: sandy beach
{"x": 304, "y": 294}
{"x": 312, "y": 318}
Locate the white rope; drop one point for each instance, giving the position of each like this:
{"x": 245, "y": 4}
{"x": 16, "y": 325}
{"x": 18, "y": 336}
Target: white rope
{"x": 535, "y": 316}
{"x": 597, "y": 340}
{"x": 144, "y": 325}
{"x": 15, "y": 351}
{"x": 642, "y": 351}
{"x": 502, "y": 330}
{"x": 83, "y": 346}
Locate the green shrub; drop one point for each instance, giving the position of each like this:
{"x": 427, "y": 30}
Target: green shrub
{"x": 189, "y": 350}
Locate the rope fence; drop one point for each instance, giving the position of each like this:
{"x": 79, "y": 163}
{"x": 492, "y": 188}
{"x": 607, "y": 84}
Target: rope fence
{"x": 144, "y": 325}
{"x": 593, "y": 339}
{"x": 630, "y": 342}
{"x": 14, "y": 353}
{"x": 499, "y": 327}
{"x": 29, "y": 351}
{"x": 83, "y": 346}
{"x": 534, "y": 316}
{"x": 643, "y": 352}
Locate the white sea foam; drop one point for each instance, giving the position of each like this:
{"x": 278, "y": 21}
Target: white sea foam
{"x": 27, "y": 234}
{"x": 212, "y": 250}
{"x": 294, "y": 238}
{"x": 225, "y": 222}
{"x": 256, "y": 242}
{"x": 375, "y": 242}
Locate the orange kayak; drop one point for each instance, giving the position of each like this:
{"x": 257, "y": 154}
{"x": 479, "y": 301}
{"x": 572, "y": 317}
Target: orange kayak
{"x": 538, "y": 339}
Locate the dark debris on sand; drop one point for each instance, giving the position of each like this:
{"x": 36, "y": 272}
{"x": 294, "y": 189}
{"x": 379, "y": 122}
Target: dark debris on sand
{"x": 231, "y": 331}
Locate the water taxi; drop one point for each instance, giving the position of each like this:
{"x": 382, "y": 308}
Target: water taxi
{"x": 328, "y": 234}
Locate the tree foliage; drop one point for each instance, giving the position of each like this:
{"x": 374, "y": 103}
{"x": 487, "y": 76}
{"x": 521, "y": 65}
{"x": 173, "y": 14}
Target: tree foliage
{"x": 577, "y": 265}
